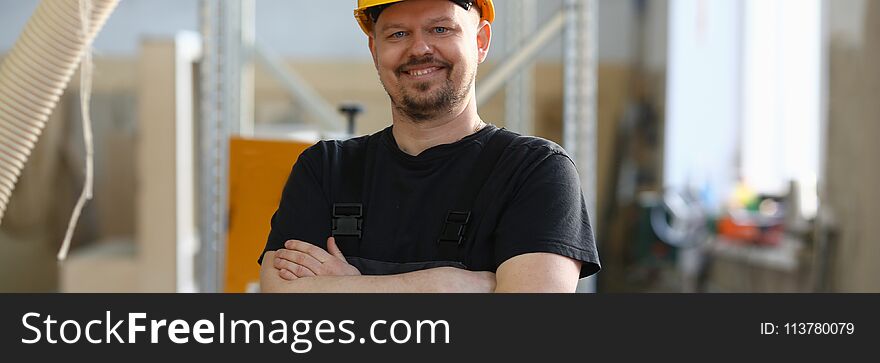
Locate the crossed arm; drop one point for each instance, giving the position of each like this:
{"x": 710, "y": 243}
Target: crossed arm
{"x": 302, "y": 267}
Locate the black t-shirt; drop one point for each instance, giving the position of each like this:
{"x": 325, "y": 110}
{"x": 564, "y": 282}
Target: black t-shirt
{"x": 531, "y": 202}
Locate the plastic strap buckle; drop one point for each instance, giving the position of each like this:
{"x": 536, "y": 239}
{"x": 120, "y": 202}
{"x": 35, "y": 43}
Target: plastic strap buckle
{"x": 347, "y": 219}
{"x": 454, "y": 229}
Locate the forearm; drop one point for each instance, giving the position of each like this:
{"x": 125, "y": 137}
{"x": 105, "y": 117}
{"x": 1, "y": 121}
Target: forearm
{"x": 438, "y": 280}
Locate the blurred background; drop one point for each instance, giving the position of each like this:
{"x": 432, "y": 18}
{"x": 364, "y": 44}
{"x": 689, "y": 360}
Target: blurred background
{"x": 725, "y": 146}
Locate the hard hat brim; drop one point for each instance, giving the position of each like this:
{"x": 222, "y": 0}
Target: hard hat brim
{"x": 487, "y": 9}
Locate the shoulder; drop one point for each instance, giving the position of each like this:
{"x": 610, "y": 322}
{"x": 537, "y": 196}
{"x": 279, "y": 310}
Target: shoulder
{"x": 536, "y": 144}
{"x": 332, "y": 151}
{"x": 530, "y": 152}
{"x": 339, "y": 146}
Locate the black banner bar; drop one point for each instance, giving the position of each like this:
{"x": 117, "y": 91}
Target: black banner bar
{"x": 464, "y": 328}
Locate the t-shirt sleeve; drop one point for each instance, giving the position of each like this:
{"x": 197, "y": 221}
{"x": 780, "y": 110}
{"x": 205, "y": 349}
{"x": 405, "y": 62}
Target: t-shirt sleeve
{"x": 303, "y": 212}
{"x": 549, "y": 214}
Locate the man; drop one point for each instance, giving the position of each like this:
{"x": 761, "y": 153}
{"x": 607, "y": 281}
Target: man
{"x": 440, "y": 201}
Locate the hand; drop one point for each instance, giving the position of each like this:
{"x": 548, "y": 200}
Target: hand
{"x": 300, "y": 259}
{"x": 269, "y": 275}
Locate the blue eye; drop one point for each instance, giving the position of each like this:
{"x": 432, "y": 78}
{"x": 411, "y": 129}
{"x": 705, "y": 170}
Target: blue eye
{"x": 441, "y": 30}
{"x": 398, "y": 35}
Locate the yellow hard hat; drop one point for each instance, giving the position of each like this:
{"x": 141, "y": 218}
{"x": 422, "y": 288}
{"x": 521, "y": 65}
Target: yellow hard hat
{"x": 366, "y": 22}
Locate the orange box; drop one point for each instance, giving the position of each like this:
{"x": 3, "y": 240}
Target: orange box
{"x": 258, "y": 170}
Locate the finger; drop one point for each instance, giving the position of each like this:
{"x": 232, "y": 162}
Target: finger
{"x": 296, "y": 269}
{"x": 287, "y": 275}
{"x": 301, "y": 259}
{"x": 268, "y": 256}
{"x": 334, "y": 249}
{"x": 317, "y": 252}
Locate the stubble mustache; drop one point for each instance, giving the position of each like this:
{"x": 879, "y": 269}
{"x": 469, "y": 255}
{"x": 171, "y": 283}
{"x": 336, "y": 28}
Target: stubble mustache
{"x": 418, "y": 61}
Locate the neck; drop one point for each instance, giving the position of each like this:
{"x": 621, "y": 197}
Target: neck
{"x": 415, "y": 137}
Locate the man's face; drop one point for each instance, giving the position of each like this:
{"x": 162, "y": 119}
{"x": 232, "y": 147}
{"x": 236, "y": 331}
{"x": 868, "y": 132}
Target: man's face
{"x": 426, "y": 53}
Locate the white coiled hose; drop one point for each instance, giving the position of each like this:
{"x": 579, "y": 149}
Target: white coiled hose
{"x": 33, "y": 77}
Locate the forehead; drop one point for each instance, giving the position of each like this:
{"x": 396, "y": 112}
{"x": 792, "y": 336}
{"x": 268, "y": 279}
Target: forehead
{"x": 421, "y": 11}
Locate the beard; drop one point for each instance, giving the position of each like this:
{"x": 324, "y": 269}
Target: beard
{"x": 419, "y": 104}
{"x": 422, "y": 106}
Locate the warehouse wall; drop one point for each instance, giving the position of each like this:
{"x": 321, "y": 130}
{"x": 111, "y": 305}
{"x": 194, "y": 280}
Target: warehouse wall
{"x": 851, "y": 171}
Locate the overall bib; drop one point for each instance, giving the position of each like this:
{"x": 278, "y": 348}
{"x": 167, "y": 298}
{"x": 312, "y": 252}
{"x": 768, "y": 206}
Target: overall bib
{"x": 349, "y": 210}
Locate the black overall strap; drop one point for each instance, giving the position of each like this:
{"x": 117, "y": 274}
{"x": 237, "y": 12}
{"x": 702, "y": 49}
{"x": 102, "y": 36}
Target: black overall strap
{"x": 452, "y": 235}
{"x": 348, "y": 207}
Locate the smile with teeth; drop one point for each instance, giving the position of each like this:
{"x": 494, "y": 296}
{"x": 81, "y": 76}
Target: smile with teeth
{"x": 422, "y": 72}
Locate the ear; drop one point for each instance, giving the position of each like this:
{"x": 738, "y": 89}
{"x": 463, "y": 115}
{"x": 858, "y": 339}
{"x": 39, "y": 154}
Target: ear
{"x": 484, "y": 39}
{"x": 372, "y": 44}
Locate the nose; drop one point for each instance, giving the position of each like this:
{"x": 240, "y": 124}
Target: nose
{"x": 420, "y": 47}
